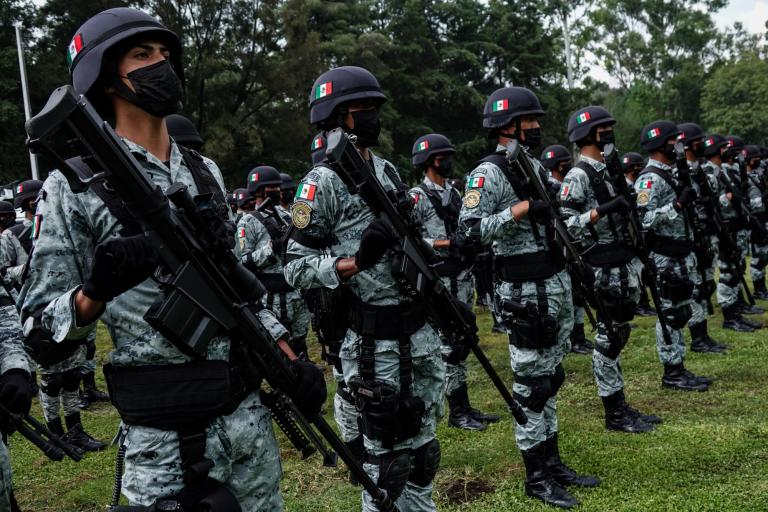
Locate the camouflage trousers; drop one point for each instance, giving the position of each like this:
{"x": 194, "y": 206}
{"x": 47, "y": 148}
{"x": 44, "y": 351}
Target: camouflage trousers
{"x": 699, "y": 307}
{"x": 685, "y": 270}
{"x": 541, "y": 362}
{"x": 6, "y": 479}
{"x": 759, "y": 260}
{"x": 428, "y": 384}
{"x": 456, "y": 374}
{"x": 607, "y": 370}
{"x": 345, "y": 412}
{"x": 241, "y": 445}
{"x": 731, "y": 270}
{"x": 292, "y": 312}
{"x": 60, "y": 386}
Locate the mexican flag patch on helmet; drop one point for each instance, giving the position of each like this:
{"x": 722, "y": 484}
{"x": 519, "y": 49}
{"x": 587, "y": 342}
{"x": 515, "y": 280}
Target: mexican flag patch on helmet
{"x": 583, "y": 118}
{"x": 500, "y": 105}
{"x": 74, "y": 48}
{"x": 323, "y": 90}
{"x": 653, "y": 133}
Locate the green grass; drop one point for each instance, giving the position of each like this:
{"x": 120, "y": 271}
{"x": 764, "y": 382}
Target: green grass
{"x": 711, "y": 453}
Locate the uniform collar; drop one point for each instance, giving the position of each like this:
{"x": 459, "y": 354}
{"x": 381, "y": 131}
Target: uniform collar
{"x": 597, "y": 164}
{"x": 660, "y": 165}
{"x": 174, "y": 161}
{"x": 432, "y": 185}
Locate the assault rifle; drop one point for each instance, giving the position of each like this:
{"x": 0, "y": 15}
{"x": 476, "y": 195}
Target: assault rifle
{"x": 701, "y": 240}
{"x": 54, "y": 447}
{"x": 581, "y": 274}
{"x": 414, "y": 262}
{"x": 206, "y": 291}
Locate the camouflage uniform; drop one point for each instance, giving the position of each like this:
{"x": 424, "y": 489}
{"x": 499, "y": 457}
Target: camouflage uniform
{"x": 12, "y": 356}
{"x": 324, "y": 208}
{"x": 699, "y": 305}
{"x": 242, "y": 444}
{"x": 488, "y": 198}
{"x": 655, "y": 199}
{"x": 13, "y": 257}
{"x": 578, "y": 199}
{"x": 254, "y": 242}
{"x": 757, "y": 206}
{"x": 729, "y": 282}
{"x": 463, "y": 285}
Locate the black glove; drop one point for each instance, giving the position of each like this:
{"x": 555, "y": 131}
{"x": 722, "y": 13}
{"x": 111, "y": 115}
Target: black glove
{"x": 374, "y": 242}
{"x": 460, "y": 351}
{"x": 310, "y": 393}
{"x": 463, "y": 247}
{"x": 539, "y": 209}
{"x": 735, "y": 199}
{"x": 686, "y": 197}
{"x": 588, "y": 277}
{"x": 119, "y": 265}
{"x": 16, "y": 391}
{"x": 618, "y": 204}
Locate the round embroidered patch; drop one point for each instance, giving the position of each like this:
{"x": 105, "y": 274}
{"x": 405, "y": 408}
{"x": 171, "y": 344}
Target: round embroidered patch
{"x": 472, "y": 199}
{"x": 301, "y": 213}
{"x": 643, "y": 198}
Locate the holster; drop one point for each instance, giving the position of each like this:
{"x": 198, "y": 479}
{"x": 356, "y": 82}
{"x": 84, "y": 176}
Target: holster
{"x": 385, "y": 414}
{"x": 528, "y": 328}
{"x": 674, "y": 287}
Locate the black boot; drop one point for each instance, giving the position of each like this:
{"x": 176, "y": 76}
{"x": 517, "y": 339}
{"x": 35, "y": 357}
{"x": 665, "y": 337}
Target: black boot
{"x": 760, "y": 291}
{"x": 713, "y": 343}
{"x": 651, "y": 419}
{"x": 618, "y": 418}
{"x": 675, "y": 377}
{"x": 742, "y": 306}
{"x": 731, "y": 320}
{"x": 498, "y": 326}
{"x": 77, "y": 436}
{"x": 560, "y": 472}
{"x": 56, "y": 427}
{"x": 90, "y": 391}
{"x": 644, "y": 307}
{"x": 700, "y": 342}
{"x": 357, "y": 447}
{"x": 579, "y": 340}
{"x": 539, "y": 482}
{"x": 698, "y": 378}
{"x": 460, "y": 415}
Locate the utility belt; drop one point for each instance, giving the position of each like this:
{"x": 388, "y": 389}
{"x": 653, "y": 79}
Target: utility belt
{"x": 614, "y": 254}
{"x": 671, "y": 247}
{"x": 528, "y": 267}
{"x": 450, "y": 267}
{"x": 274, "y": 282}
{"x": 529, "y": 323}
{"x": 387, "y": 414}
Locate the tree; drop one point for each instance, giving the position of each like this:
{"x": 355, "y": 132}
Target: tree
{"x": 735, "y": 99}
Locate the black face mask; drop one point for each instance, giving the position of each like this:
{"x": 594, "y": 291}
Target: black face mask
{"x": 532, "y": 138}
{"x": 286, "y": 196}
{"x": 273, "y": 196}
{"x": 157, "y": 89}
{"x": 669, "y": 151}
{"x": 698, "y": 150}
{"x": 444, "y": 167}
{"x": 367, "y": 127}
{"x": 606, "y": 138}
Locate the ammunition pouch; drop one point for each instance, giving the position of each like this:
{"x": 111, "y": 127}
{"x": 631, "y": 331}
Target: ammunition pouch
{"x": 385, "y": 415}
{"x": 675, "y": 288}
{"x": 677, "y": 317}
{"x": 176, "y": 396}
{"x": 528, "y": 326}
{"x": 617, "y": 300}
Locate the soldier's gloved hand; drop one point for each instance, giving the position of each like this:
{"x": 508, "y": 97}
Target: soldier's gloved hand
{"x": 376, "y": 239}
{"x": 686, "y": 197}
{"x": 735, "y": 199}
{"x": 119, "y": 265}
{"x": 618, "y": 204}
{"x": 539, "y": 209}
{"x": 16, "y": 391}
{"x": 310, "y": 393}
{"x": 463, "y": 246}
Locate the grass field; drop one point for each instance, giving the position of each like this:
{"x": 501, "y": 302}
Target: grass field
{"x": 711, "y": 453}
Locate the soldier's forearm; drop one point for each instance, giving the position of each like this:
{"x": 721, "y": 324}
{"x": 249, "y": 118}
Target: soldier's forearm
{"x": 87, "y": 310}
{"x": 346, "y": 268}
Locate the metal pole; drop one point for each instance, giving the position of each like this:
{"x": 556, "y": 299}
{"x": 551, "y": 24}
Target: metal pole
{"x": 25, "y": 95}
{"x": 567, "y": 40}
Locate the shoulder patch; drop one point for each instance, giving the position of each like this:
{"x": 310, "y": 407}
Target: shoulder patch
{"x": 565, "y": 190}
{"x": 37, "y": 225}
{"x": 301, "y": 214}
{"x": 472, "y": 198}
{"x": 476, "y": 182}
{"x": 643, "y": 198}
{"x": 313, "y": 176}
{"x": 306, "y": 191}
{"x": 416, "y": 197}
{"x": 646, "y": 184}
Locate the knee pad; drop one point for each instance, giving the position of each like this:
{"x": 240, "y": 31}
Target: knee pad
{"x": 70, "y": 380}
{"x": 426, "y": 460}
{"x": 90, "y": 349}
{"x": 51, "y": 384}
{"x": 678, "y": 317}
{"x": 541, "y": 390}
{"x": 557, "y": 379}
{"x": 394, "y": 470}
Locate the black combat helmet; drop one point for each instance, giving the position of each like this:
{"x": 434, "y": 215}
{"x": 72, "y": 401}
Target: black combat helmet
{"x": 429, "y": 145}
{"x": 6, "y": 208}
{"x": 337, "y": 86}
{"x": 734, "y": 144}
{"x": 25, "y": 192}
{"x": 510, "y": 103}
{"x": 183, "y": 131}
{"x": 630, "y": 160}
{"x": 583, "y": 121}
{"x": 287, "y": 182}
{"x": 713, "y": 144}
{"x": 689, "y": 133}
{"x": 656, "y": 134}
{"x": 554, "y": 155}
{"x": 262, "y": 176}
{"x": 751, "y": 151}
{"x": 113, "y": 28}
{"x": 243, "y": 197}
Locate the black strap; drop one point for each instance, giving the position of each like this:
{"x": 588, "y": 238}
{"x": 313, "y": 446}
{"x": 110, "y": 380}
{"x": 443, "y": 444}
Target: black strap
{"x": 194, "y": 464}
{"x": 311, "y": 241}
{"x": 270, "y": 224}
{"x": 204, "y": 180}
{"x": 602, "y": 194}
{"x": 449, "y": 213}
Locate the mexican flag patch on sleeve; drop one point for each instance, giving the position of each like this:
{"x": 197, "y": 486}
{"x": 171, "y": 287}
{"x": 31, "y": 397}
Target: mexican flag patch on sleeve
{"x": 306, "y": 191}
{"x": 477, "y": 182}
